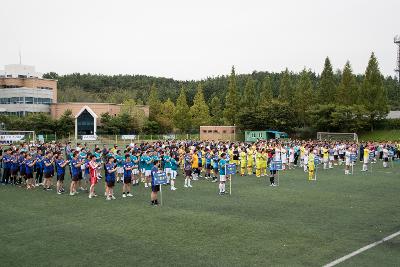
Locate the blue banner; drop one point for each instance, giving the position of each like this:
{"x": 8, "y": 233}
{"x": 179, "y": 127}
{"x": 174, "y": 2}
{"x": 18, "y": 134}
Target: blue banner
{"x": 277, "y": 165}
{"x": 230, "y": 169}
{"x": 160, "y": 178}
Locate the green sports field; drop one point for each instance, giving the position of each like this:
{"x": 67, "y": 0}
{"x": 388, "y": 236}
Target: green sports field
{"x": 300, "y": 223}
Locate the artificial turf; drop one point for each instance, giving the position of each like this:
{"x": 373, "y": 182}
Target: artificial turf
{"x": 299, "y": 223}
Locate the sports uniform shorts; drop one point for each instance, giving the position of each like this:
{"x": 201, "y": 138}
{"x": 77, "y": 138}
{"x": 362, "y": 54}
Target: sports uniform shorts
{"x": 110, "y": 183}
{"x": 273, "y": 172}
{"x": 208, "y": 166}
{"x": 127, "y": 180}
{"x": 335, "y": 157}
{"x": 22, "y": 172}
{"x": 14, "y": 172}
{"x": 60, "y": 177}
{"x": 155, "y": 188}
{"x": 120, "y": 170}
{"x": 142, "y": 170}
{"x": 75, "y": 177}
{"x": 366, "y": 160}
{"x": 222, "y": 178}
{"x": 48, "y": 174}
{"x": 386, "y": 159}
{"x": 93, "y": 180}
{"x": 173, "y": 175}
{"x": 188, "y": 173}
{"x": 135, "y": 171}
{"x": 80, "y": 176}
{"x": 200, "y": 164}
{"x": 168, "y": 170}
{"x": 147, "y": 173}
{"x": 29, "y": 175}
{"x": 341, "y": 156}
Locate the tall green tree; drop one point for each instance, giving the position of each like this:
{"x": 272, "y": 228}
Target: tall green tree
{"x": 304, "y": 96}
{"x": 249, "y": 98}
{"x": 266, "y": 93}
{"x": 285, "y": 87}
{"x": 373, "y": 94}
{"x": 166, "y": 117}
{"x": 154, "y": 103}
{"x": 326, "y": 85}
{"x": 182, "y": 113}
{"x": 65, "y": 124}
{"x": 231, "y": 100}
{"x": 347, "y": 91}
{"x": 216, "y": 111}
{"x": 199, "y": 112}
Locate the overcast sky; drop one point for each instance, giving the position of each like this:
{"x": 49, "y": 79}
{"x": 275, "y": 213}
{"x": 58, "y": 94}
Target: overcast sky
{"x": 187, "y": 40}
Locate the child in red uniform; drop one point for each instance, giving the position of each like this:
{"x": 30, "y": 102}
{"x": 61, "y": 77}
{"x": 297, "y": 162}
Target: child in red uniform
{"x": 93, "y": 175}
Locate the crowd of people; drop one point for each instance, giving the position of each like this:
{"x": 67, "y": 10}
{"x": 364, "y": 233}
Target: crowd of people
{"x": 35, "y": 165}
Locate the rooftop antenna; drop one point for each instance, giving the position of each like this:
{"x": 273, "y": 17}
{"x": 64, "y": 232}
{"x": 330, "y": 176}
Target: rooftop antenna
{"x": 397, "y": 42}
{"x": 20, "y": 57}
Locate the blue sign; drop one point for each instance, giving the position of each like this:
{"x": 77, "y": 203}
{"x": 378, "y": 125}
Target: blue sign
{"x": 317, "y": 160}
{"x": 230, "y": 169}
{"x": 277, "y": 165}
{"x": 353, "y": 157}
{"x": 160, "y": 178}
{"x": 371, "y": 155}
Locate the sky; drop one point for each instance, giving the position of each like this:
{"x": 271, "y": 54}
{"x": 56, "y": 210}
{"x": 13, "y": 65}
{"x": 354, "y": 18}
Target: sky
{"x": 191, "y": 40}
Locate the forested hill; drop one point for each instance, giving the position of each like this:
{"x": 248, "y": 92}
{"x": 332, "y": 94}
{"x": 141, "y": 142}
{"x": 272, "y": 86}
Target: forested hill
{"x": 78, "y": 87}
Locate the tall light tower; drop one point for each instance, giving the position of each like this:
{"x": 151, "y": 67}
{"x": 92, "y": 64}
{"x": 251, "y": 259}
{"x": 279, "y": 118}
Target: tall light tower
{"x": 397, "y": 42}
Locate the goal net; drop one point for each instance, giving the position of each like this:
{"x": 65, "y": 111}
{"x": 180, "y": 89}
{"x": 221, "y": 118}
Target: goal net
{"x": 12, "y": 137}
{"x": 321, "y": 136}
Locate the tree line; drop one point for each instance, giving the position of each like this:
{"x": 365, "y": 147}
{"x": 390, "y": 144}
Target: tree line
{"x": 332, "y": 101}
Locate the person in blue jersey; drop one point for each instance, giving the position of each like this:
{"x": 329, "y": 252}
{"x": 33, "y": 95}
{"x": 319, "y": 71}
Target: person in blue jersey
{"x": 48, "y": 170}
{"x": 22, "y": 167}
{"x": 76, "y": 170}
{"x": 222, "y": 176}
{"x": 111, "y": 168}
{"x": 135, "y": 158}
{"x": 128, "y": 168}
{"x": 167, "y": 165}
{"x": 215, "y": 160}
{"x": 272, "y": 171}
{"x": 120, "y": 166}
{"x": 60, "y": 166}
{"x": 148, "y": 166}
{"x": 6, "y": 166}
{"x": 208, "y": 158}
{"x": 154, "y": 188}
{"x": 14, "y": 167}
{"x": 29, "y": 164}
{"x": 174, "y": 170}
{"x": 39, "y": 167}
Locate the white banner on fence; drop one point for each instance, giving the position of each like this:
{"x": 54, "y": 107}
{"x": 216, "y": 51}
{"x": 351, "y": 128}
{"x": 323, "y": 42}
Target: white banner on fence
{"x": 169, "y": 137}
{"x": 128, "y": 137}
{"x": 89, "y": 137}
{"x": 13, "y": 137}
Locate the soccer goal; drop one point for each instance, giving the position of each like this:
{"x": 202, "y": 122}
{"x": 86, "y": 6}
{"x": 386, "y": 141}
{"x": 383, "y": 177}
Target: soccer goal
{"x": 337, "y": 136}
{"x": 11, "y": 137}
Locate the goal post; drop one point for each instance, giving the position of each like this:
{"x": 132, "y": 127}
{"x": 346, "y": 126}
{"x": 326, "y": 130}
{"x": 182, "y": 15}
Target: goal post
{"x": 321, "y": 136}
{"x": 11, "y": 137}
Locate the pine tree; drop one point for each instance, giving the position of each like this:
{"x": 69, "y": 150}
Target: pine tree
{"x": 266, "y": 93}
{"x": 182, "y": 115}
{"x": 199, "y": 112}
{"x": 231, "y": 101}
{"x": 154, "y": 103}
{"x": 347, "y": 91}
{"x": 304, "y": 96}
{"x": 249, "y": 98}
{"x": 326, "y": 85}
{"x": 166, "y": 118}
{"x": 373, "y": 94}
{"x": 285, "y": 87}
{"x": 216, "y": 111}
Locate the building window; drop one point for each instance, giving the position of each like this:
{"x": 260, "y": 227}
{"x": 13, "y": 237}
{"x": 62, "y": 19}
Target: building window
{"x": 215, "y": 131}
{"x": 28, "y": 100}
{"x": 210, "y": 131}
{"x": 253, "y": 135}
{"x": 233, "y": 131}
{"x": 224, "y": 131}
{"x": 204, "y": 131}
{"x": 260, "y": 135}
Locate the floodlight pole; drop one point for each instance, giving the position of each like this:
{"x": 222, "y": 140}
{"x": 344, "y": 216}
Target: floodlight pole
{"x": 161, "y": 194}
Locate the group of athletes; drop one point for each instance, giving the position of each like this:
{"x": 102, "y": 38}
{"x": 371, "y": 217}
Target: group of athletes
{"x": 34, "y": 165}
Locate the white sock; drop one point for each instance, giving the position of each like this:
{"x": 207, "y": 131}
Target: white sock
{"x": 220, "y": 188}
{"x": 186, "y": 181}
{"x": 223, "y": 187}
{"x": 172, "y": 183}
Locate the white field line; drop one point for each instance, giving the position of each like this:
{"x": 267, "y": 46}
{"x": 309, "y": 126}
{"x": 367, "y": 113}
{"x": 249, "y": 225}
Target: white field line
{"x": 358, "y": 251}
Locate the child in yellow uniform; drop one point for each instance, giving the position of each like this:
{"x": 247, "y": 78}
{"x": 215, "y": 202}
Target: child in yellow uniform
{"x": 264, "y": 159}
{"x": 243, "y": 162}
{"x": 311, "y": 166}
{"x": 325, "y": 154}
{"x": 250, "y": 161}
{"x": 258, "y": 163}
